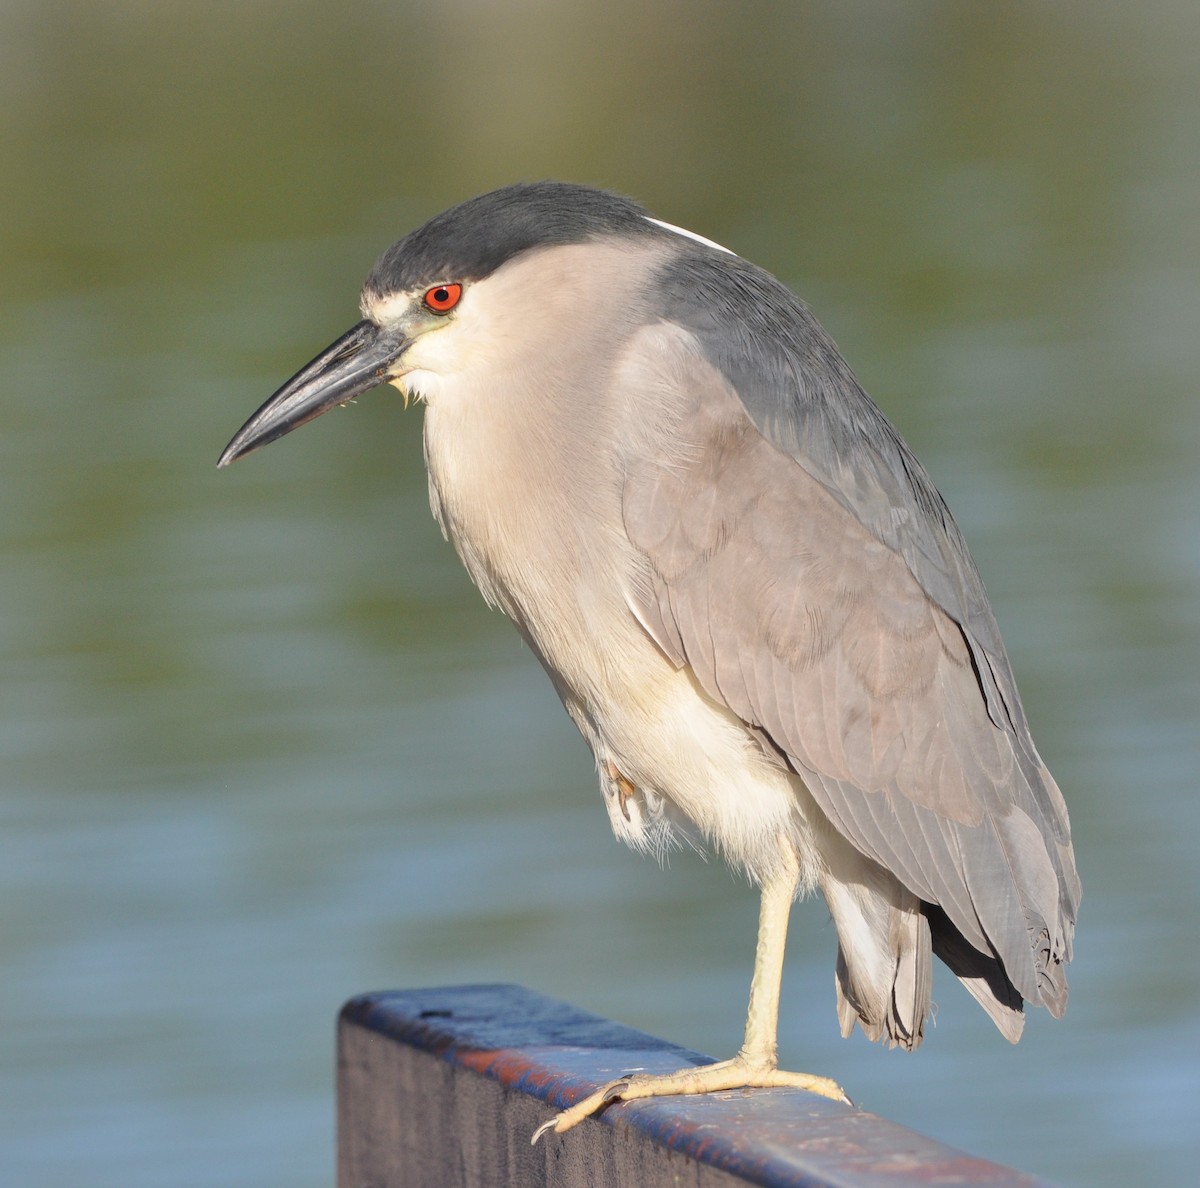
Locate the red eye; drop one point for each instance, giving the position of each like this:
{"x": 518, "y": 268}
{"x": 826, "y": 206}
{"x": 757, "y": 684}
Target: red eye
{"x": 443, "y": 298}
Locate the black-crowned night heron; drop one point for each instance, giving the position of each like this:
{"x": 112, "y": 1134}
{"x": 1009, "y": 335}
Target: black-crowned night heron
{"x": 744, "y": 587}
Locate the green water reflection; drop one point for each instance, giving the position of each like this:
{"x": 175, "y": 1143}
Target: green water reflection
{"x": 263, "y": 745}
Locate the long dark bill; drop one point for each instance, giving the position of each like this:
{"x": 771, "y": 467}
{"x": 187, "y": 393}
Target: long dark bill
{"x": 358, "y": 361}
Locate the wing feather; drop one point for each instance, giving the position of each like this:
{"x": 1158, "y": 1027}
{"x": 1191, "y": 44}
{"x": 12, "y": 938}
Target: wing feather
{"x": 814, "y": 628}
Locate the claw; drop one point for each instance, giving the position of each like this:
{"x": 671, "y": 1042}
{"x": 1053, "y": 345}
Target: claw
{"x": 591, "y": 1104}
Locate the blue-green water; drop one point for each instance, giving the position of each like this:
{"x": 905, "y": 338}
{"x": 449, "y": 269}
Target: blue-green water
{"x": 264, "y": 748}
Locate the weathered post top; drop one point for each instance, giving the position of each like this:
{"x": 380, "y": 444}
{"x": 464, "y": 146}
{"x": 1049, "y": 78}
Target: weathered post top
{"x": 444, "y": 1088}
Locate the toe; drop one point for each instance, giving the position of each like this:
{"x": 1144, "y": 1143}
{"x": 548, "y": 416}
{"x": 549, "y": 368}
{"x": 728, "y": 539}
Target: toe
{"x": 583, "y": 1109}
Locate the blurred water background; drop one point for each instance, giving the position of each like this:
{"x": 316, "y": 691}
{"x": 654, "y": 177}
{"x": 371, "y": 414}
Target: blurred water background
{"x": 264, "y": 747}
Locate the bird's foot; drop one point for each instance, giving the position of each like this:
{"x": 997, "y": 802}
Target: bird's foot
{"x": 738, "y": 1073}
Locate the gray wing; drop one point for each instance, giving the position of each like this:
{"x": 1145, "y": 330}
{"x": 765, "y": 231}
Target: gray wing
{"x": 802, "y": 396}
{"x": 813, "y": 624}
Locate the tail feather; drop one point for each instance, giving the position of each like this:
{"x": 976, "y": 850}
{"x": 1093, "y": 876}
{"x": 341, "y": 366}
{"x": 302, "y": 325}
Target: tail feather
{"x": 982, "y": 974}
{"x": 884, "y": 965}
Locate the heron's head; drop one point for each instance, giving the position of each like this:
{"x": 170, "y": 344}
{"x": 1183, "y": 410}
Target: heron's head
{"x": 481, "y": 282}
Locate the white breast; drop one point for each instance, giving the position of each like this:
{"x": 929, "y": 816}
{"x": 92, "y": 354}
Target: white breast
{"x": 544, "y": 540}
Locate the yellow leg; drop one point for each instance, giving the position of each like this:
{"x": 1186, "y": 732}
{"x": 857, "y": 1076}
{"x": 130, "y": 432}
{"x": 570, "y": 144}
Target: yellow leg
{"x": 756, "y": 1065}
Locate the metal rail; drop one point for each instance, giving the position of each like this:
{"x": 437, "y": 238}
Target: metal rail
{"x": 444, "y": 1087}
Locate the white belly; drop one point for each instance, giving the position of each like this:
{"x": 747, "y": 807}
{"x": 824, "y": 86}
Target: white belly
{"x": 697, "y": 773}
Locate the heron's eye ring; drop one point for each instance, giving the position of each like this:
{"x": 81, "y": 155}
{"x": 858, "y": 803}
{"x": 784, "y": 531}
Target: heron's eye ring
{"x": 443, "y": 298}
